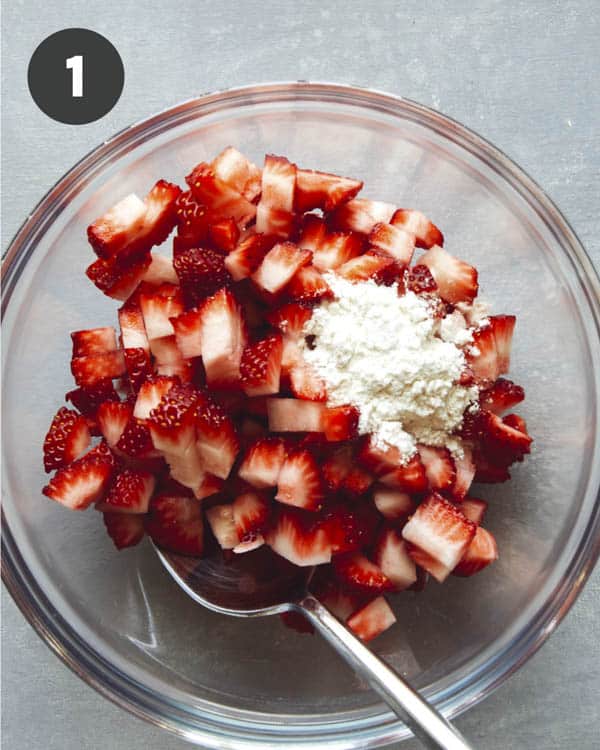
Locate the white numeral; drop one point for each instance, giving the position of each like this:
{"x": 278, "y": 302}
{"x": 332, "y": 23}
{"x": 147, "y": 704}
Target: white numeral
{"x": 76, "y": 65}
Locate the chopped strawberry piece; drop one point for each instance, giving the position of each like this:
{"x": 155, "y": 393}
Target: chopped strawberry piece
{"x": 160, "y": 271}
{"x": 349, "y": 529}
{"x": 501, "y": 396}
{"x": 361, "y": 215}
{"x": 465, "y": 471}
{"x": 290, "y": 319}
{"x": 456, "y": 280}
{"x": 125, "y": 529}
{"x": 503, "y": 327}
{"x": 295, "y": 536}
{"x": 308, "y": 285}
{"x": 490, "y": 472}
{"x": 357, "y": 481}
{"x": 133, "y": 330}
{"x": 367, "y": 266}
{"x": 188, "y": 327}
{"x": 150, "y": 395}
{"x": 410, "y": 477}
{"x": 300, "y": 483}
{"x": 87, "y": 400}
{"x": 216, "y": 438}
{"x": 67, "y": 438}
{"x": 224, "y": 234}
{"x": 157, "y": 310}
{"x": 187, "y": 468}
{"x": 393, "y": 241}
{"x": 312, "y": 232}
{"x": 387, "y": 463}
{"x": 176, "y": 524}
{"x": 516, "y": 422}
{"x": 473, "y": 508}
{"x": 274, "y": 213}
{"x": 391, "y": 556}
{"x": 251, "y": 514}
{"x": 503, "y": 440}
{"x": 482, "y": 357}
{"x": 372, "y": 620}
{"x": 440, "y": 529}
{"x": 82, "y": 482}
{"x": 429, "y": 565}
{"x": 243, "y": 260}
{"x": 201, "y": 272}
{"x": 260, "y": 367}
{"x": 222, "y": 200}
{"x": 172, "y": 421}
{"x": 393, "y": 504}
{"x": 330, "y": 249}
{"x": 439, "y": 466}
{"x": 294, "y": 415}
{"x": 118, "y": 280}
{"x": 305, "y": 382}
{"x": 279, "y": 265}
{"x": 130, "y": 492}
{"x": 340, "y": 423}
{"x": 222, "y": 525}
{"x": 139, "y": 367}
{"x": 168, "y": 359}
{"x": 94, "y": 341}
{"x": 358, "y": 572}
{"x": 420, "y": 280}
{"x": 193, "y": 220}
{"x": 112, "y": 417}
{"x": 339, "y": 602}
{"x": 223, "y": 338}
{"x": 336, "y": 466}
{"x": 479, "y": 554}
{"x": 234, "y": 169}
{"x": 323, "y": 190}
{"x": 135, "y": 440}
{"x": 89, "y": 370}
{"x": 209, "y": 486}
{"x": 425, "y": 232}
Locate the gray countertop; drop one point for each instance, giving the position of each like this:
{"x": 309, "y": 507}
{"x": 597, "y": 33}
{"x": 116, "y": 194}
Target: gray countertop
{"x": 523, "y": 74}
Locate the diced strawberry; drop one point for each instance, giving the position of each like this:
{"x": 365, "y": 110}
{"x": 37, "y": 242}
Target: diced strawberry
{"x": 361, "y": 215}
{"x": 372, "y": 620}
{"x": 187, "y": 468}
{"x": 222, "y": 200}
{"x": 482, "y": 357}
{"x": 136, "y": 441}
{"x": 425, "y": 232}
{"x": 118, "y": 280}
{"x": 193, "y": 220}
{"x": 290, "y": 319}
{"x": 501, "y": 439}
{"x": 160, "y": 271}
{"x": 224, "y": 234}
{"x": 151, "y": 394}
{"x": 465, "y": 471}
{"x": 501, "y": 396}
{"x": 157, "y": 310}
{"x": 113, "y": 417}
{"x": 393, "y": 504}
{"x": 330, "y": 249}
{"x": 125, "y": 529}
{"x": 488, "y": 471}
{"x": 312, "y": 232}
{"x": 260, "y": 367}
{"x": 94, "y": 341}
{"x": 216, "y": 438}
{"x": 243, "y": 260}
{"x": 82, "y": 482}
{"x": 67, "y": 438}
{"x": 456, "y": 280}
{"x": 133, "y": 331}
{"x": 439, "y": 466}
{"x": 274, "y": 213}
{"x": 339, "y": 601}
{"x": 349, "y": 529}
{"x": 429, "y": 565}
{"x": 294, "y": 415}
{"x": 336, "y": 466}
{"x": 238, "y": 172}
{"x": 393, "y": 241}
{"x": 296, "y": 537}
{"x": 223, "y": 338}
{"x": 299, "y": 482}
{"x": 367, "y": 266}
{"x": 130, "y": 492}
{"x": 176, "y": 524}
{"x": 323, "y": 190}
{"x": 340, "y": 423}
{"x": 387, "y": 463}
{"x": 187, "y": 327}
{"x": 358, "y": 572}
{"x": 503, "y": 327}
{"x": 391, "y": 556}
{"x": 440, "y": 529}
{"x": 304, "y": 380}
{"x": 222, "y": 525}
{"x": 201, "y": 272}
{"x": 251, "y": 514}
{"x": 139, "y": 367}
{"x": 87, "y": 400}
{"x": 89, "y": 370}
{"x": 262, "y": 463}
{"x": 168, "y": 359}
{"x": 308, "y": 285}
{"x": 279, "y": 265}
{"x": 210, "y": 485}
{"x": 516, "y": 422}
{"x": 473, "y": 508}
{"x": 172, "y": 421}
{"x": 420, "y": 280}
{"x": 479, "y": 554}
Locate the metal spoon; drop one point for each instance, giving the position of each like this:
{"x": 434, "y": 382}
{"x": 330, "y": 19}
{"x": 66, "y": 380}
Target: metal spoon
{"x": 255, "y": 586}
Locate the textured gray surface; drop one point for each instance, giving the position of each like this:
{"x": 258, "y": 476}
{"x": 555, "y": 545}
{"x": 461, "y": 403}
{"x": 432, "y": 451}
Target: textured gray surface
{"x": 525, "y": 75}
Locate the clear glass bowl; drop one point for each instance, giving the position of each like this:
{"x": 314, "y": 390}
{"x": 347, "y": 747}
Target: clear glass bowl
{"x": 120, "y": 622}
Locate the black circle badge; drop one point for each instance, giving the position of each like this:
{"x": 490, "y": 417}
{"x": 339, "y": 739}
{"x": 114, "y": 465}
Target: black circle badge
{"x": 75, "y": 76}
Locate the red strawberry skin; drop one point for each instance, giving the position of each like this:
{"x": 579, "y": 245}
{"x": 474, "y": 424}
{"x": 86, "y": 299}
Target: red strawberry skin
{"x": 176, "y": 524}
{"x": 340, "y": 423}
{"x": 501, "y": 396}
{"x": 87, "y": 371}
{"x": 67, "y": 438}
{"x": 201, "y": 272}
{"x": 260, "y": 367}
{"x": 93, "y": 341}
{"x": 130, "y": 492}
{"x": 83, "y": 482}
{"x": 300, "y": 482}
{"x": 322, "y": 190}
{"x": 125, "y": 529}
{"x": 358, "y": 572}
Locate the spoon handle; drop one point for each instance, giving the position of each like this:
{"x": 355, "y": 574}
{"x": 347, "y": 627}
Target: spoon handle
{"x": 423, "y": 719}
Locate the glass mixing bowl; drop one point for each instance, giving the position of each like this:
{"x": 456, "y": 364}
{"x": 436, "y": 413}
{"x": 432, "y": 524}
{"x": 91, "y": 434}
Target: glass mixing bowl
{"x": 120, "y": 622}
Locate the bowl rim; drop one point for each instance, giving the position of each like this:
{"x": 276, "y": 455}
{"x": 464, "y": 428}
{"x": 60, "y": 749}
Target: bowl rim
{"x": 32, "y": 601}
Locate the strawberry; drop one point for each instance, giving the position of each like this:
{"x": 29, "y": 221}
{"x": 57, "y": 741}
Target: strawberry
{"x": 501, "y": 396}
{"x": 357, "y": 572}
{"x": 139, "y": 367}
{"x": 340, "y": 423}
{"x": 222, "y": 200}
{"x": 488, "y": 471}
{"x": 94, "y": 341}
{"x": 387, "y": 464}
{"x": 193, "y": 220}
{"x": 392, "y": 558}
{"x": 89, "y": 370}
{"x": 176, "y": 524}
{"x": 130, "y": 492}
{"x": 368, "y": 266}
{"x": 133, "y": 330}
{"x": 330, "y": 249}
{"x": 187, "y": 326}
{"x": 339, "y": 602}
{"x": 323, "y": 190}
{"x": 150, "y": 394}
{"x": 503, "y": 327}
{"x": 250, "y": 513}
{"x": 312, "y": 232}
{"x": 222, "y": 525}
{"x": 439, "y": 466}
{"x": 439, "y": 529}
{"x": 348, "y": 529}
{"x": 455, "y": 279}
{"x": 135, "y": 440}
{"x": 516, "y": 422}
{"x": 465, "y": 471}
{"x": 294, "y": 535}
{"x": 294, "y": 415}
{"x": 428, "y": 565}
{"x": 479, "y": 554}
{"x": 299, "y": 482}
{"x": 290, "y": 319}
{"x": 187, "y": 468}
{"x": 224, "y": 235}
{"x": 118, "y": 226}
{"x": 426, "y": 233}
{"x": 372, "y": 619}
{"x": 308, "y": 285}
{"x": 87, "y": 400}
{"x": 420, "y": 280}
{"x": 201, "y": 272}
{"x": 244, "y": 259}
{"x": 216, "y": 438}
{"x": 209, "y": 486}
{"x": 393, "y": 504}
{"x": 336, "y": 466}
{"x": 234, "y": 169}
{"x": 160, "y": 271}
{"x": 473, "y": 508}
{"x": 502, "y": 440}
{"x": 260, "y": 367}
{"x": 168, "y": 359}
{"x": 482, "y": 357}
{"x": 67, "y": 438}
{"x": 279, "y": 265}
{"x": 393, "y": 241}
{"x": 125, "y": 529}
{"x": 82, "y": 482}
{"x": 112, "y": 417}
{"x": 172, "y": 421}
{"x": 223, "y": 338}
{"x": 361, "y": 215}
{"x": 118, "y": 280}
{"x": 305, "y": 383}
{"x": 274, "y": 213}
